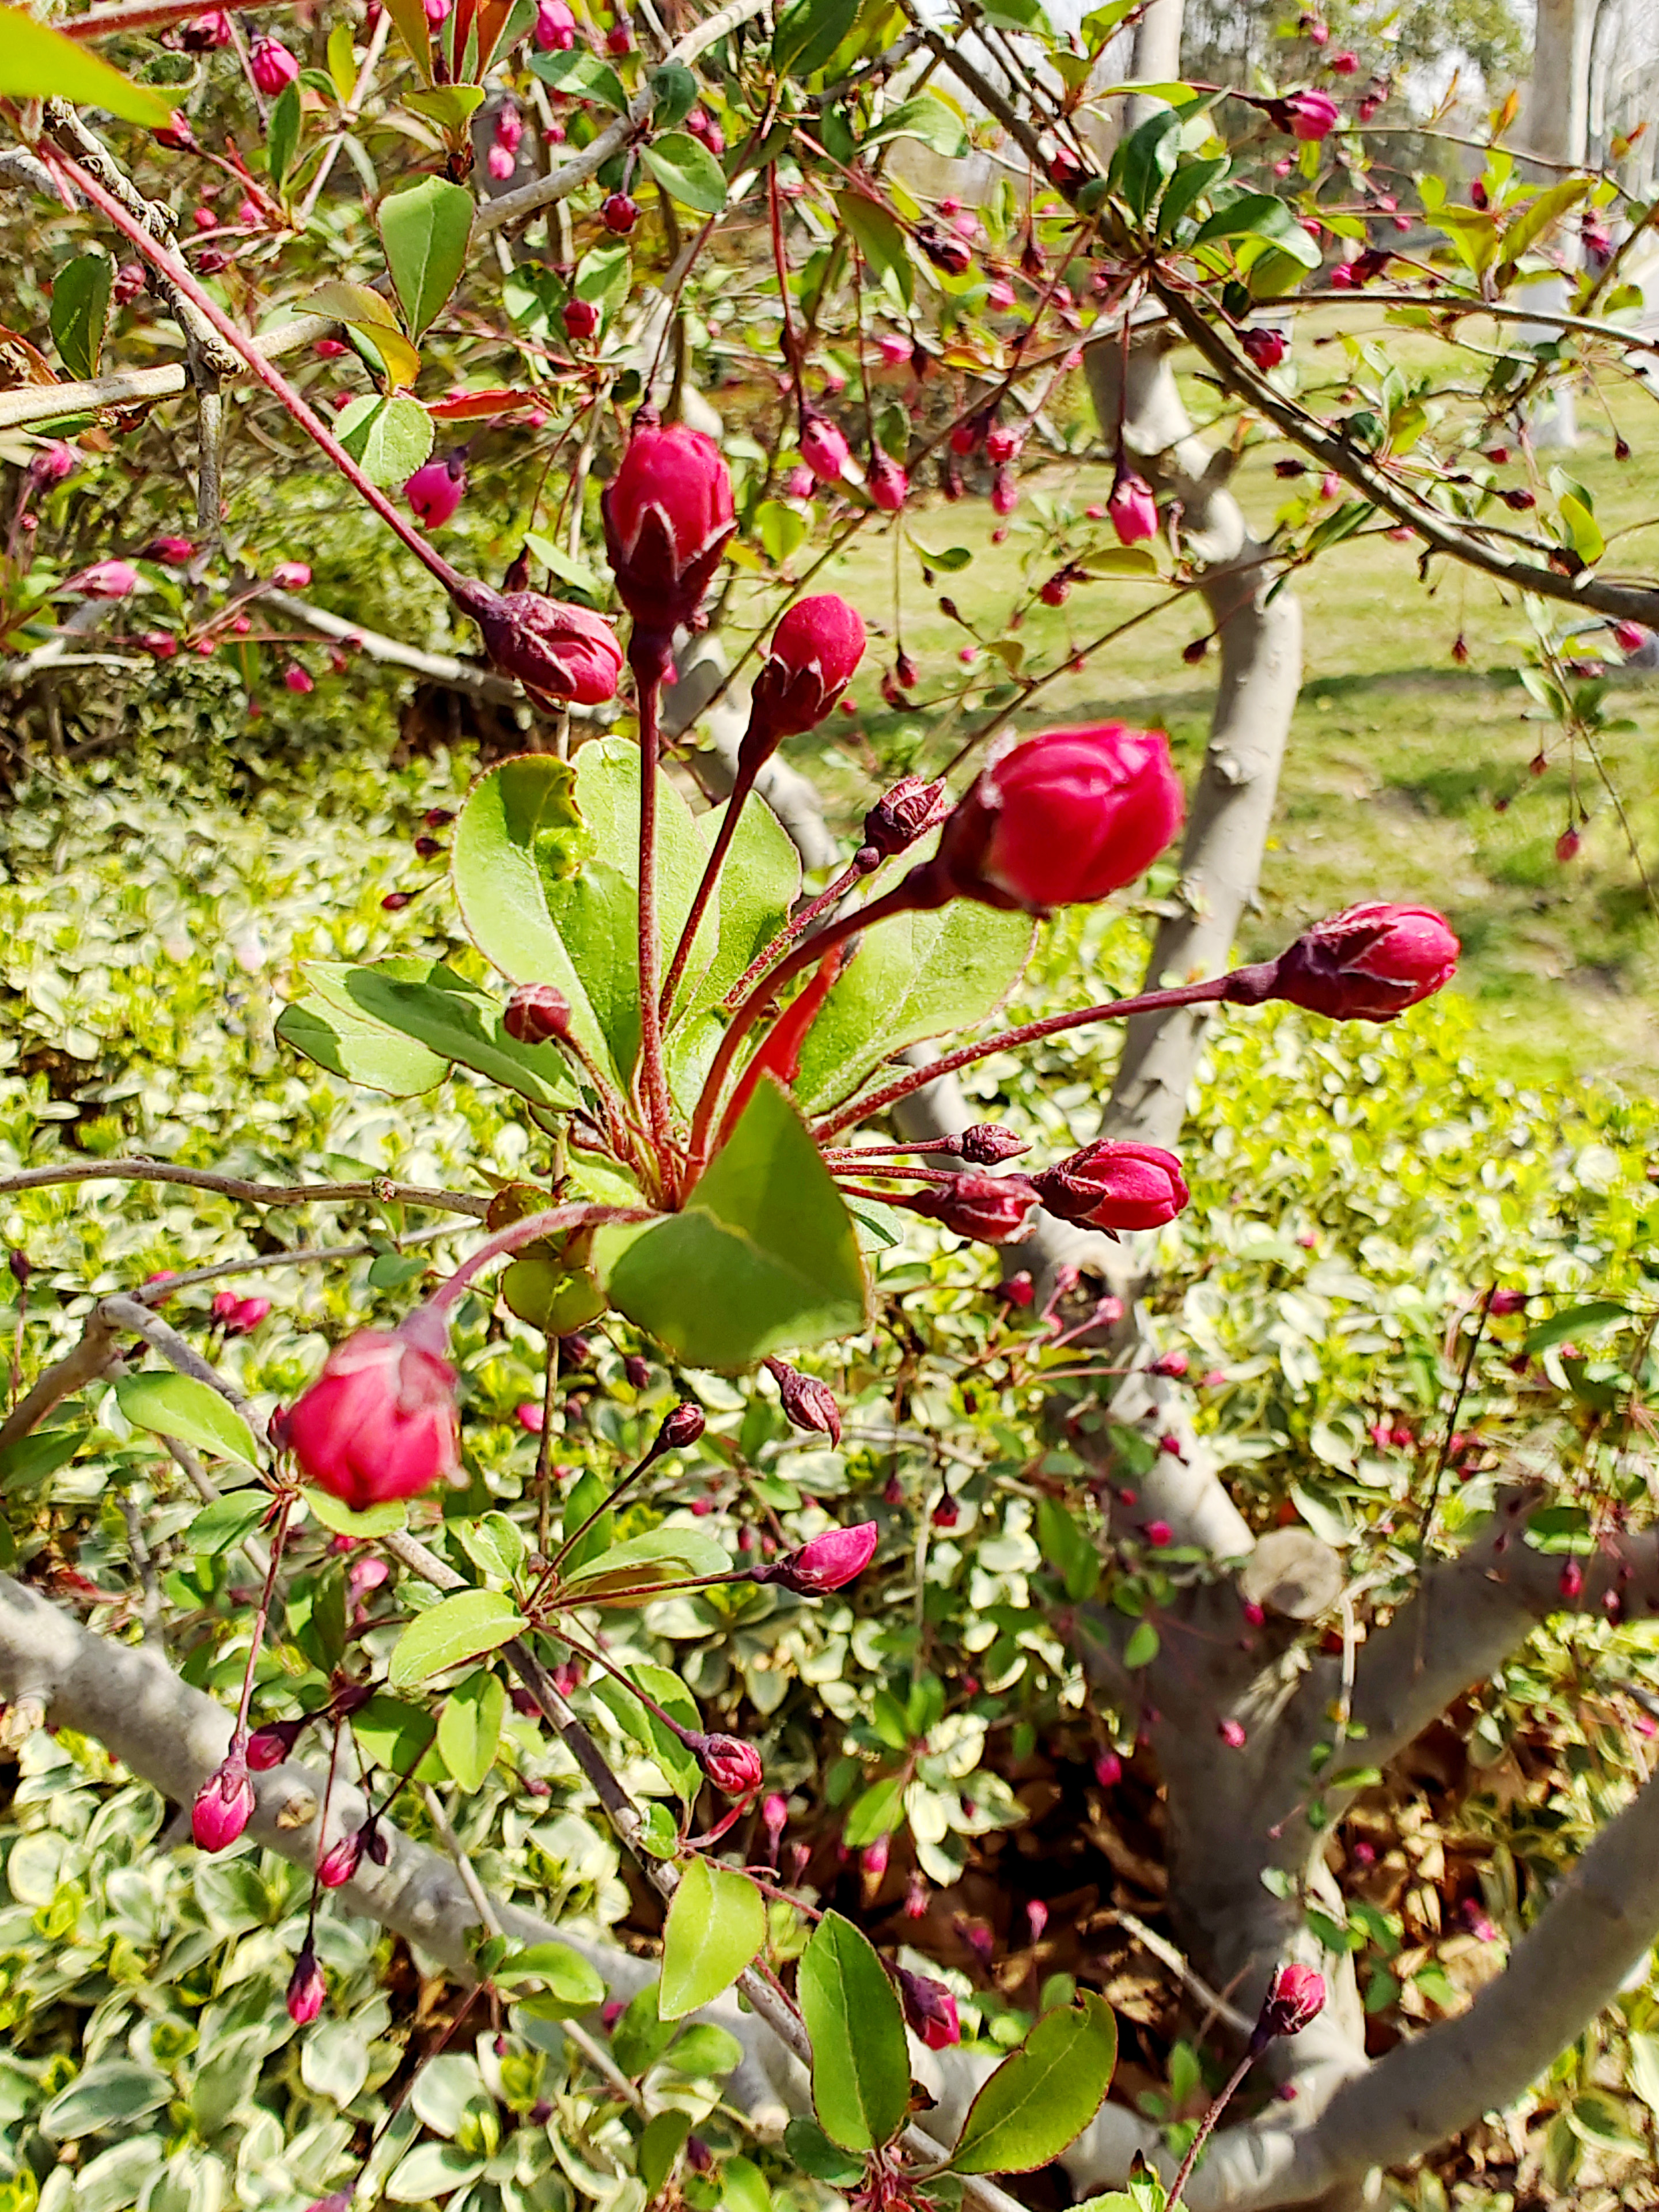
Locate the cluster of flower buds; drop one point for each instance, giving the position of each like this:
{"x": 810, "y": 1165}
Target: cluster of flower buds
{"x": 379, "y": 1421}
{"x": 668, "y": 514}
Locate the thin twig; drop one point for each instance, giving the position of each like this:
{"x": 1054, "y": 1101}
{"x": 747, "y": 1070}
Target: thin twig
{"x": 257, "y": 1193}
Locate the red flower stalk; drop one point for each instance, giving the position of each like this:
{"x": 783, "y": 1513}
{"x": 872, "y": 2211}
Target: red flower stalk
{"x": 379, "y": 1421}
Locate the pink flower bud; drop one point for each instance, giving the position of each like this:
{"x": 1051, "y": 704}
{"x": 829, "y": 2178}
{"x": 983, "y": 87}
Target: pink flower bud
{"x": 1308, "y": 116}
{"x": 580, "y": 317}
{"x": 1266, "y": 348}
{"x": 825, "y": 452}
{"x": 296, "y": 678}
{"x": 1109, "y": 1770}
{"x": 305, "y": 1989}
{"x": 536, "y": 1013}
{"x": 500, "y": 162}
{"x": 902, "y": 815}
{"x": 1231, "y": 1734}
{"x": 1019, "y": 1290}
{"x": 205, "y": 34}
{"x": 1629, "y": 636}
{"x": 1131, "y": 509}
{"x": 619, "y": 39}
{"x": 509, "y": 126}
{"x": 829, "y": 1562}
{"x": 888, "y": 485}
{"x": 291, "y": 576}
{"x": 991, "y": 1209}
{"x": 437, "y": 490}
{"x": 269, "y": 1746}
{"x": 1503, "y": 1303}
{"x": 800, "y": 483}
{"x": 1295, "y": 1998}
{"x": 223, "y": 1806}
{"x": 1367, "y": 964}
{"x": 554, "y": 30}
{"x": 1253, "y": 1613}
{"x": 159, "y": 644}
{"x": 893, "y": 350}
{"x": 271, "y": 66}
{"x": 668, "y": 514}
{"x": 1568, "y": 845}
{"x": 815, "y": 651}
{"x": 1036, "y": 1916}
{"x": 872, "y": 1859}
{"x": 171, "y": 552}
{"x": 681, "y": 1427}
{"x": 50, "y": 464}
{"x": 1159, "y": 1534}
{"x": 1571, "y": 1580}
{"x": 1062, "y": 820}
{"x": 379, "y": 1421}
{"x": 1115, "y": 1186}
{"x": 946, "y": 1513}
{"x": 556, "y": 650}
{"x": 810, "y": 1404}
{"x": 618, "y": 213}
{"x": 930, "y": 2010}
{"x": 105, "y": 580}
{"x": 774, "y": 1814}
{"x": 1346, "y": 64}
{"x": 1005, "y": 492}
{"x": 341, "y": 1861}
{"x": 945, "y": 250}
{"x": 733, "y": 1766}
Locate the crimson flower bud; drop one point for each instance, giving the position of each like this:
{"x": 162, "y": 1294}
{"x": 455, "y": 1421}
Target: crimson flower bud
{"x": 829, "y": 1563}
{"x": 808, "y": 1403}
{"x": 509, "y": 126}
{"x": 618, "y": 39}
{"x": 1367, "y": 964}
{"x": 1056, "y": 590}
{"x": 1307, "y": 115}
{"x": 681, "y": 1427}
{"x": 554, "y": 28}
{"x": 205, "y": 34}
{"x": 435, "y": 491}
{"x": 944, "y": 251}
{"x": 1503, "y": 1303}
{"x": 22, "y": 1267}
{"x": 733, "y": 1766}
{"x": 379, "y": 1421}
{"x": 1295, "y": 1998}
{"x": 637, "y": 1371}
{"x": 619, "y": 213}
{"x": 1629, "y": 636}
{"x": 271, "y": 66}
{"x": 888, "y": 485}
{"x": 988, "y": 1143}
{"x": 1005, "y": 492}
{"x": 906, "y": 674}
{"x": 556, "y": 651}
{"x": 1346, "y": 64}
{"x": 992, "y": 1209}
{"x": 50, "y": 464}
{"x": 341, "y": 1860}
{"x": 305, "y": 1989}
{"x": 223, "y": 1806}
{"x": 814, "y": 650}
{"x": 269, "y": 1746}
{"x": 1062, "y": 820}
{"x": 775, "y": 1815}
{"x": 1109, "y": 1770}
{"x": 668, "y": 515}
{"x": 1266, "y": 348}
{"x": 1131, "y": 509}
{"x": 581, "y": 319}
{"x": 1114, "y": 1186}
{"x": 536, "y": 1013}
{"x": 902, "y": 815}
{"x": 171, "y": 552}
{"x": 104, "y": 580}
{"x": 824, "y": 450}
{"x": 930, "y": 2010}
{"x": 872, "y": 1859}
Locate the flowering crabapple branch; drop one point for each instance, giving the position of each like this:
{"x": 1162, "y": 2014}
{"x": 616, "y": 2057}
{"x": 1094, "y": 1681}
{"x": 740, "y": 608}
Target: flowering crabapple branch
{"x": 381, "y": 1189}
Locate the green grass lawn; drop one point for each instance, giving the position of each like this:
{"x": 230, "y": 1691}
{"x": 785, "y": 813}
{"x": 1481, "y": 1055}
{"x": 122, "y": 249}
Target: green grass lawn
{"x": 1407, "y": 775}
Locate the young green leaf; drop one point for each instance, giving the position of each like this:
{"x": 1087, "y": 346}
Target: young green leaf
{"x": 80, "y": 309}
{"x": 460, "y": 1627}
{"x": 686, "y": 171}
{"x": 470, "y": 1729}
{"x": 178, "y": 1406}
{"x": 388, "y": 438}
{"x": 1042, "y": 2096}
{"x": 566, "y": 1977}
{"x": 860, "y": 2061}
{"x": 425, "y": 231}
{"x": 37, "y": 63}
{"x": 716, "y": 1924}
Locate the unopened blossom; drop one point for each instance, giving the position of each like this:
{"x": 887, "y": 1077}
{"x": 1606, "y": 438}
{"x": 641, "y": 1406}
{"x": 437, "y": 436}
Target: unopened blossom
{"x": 903, "y": 814}
{"x": 556, "y": 651}
{"x": 435, "y": 491}
{"x": 1266, "y": 348}
{"x": 291, "y": 576}
{"x": 1308, "y": 116}
{"x": 733, "y": 1766}
{"x": 536, "y": 1013}
{"x": 1131, "y": 509}
{"x": 808, "y": 1403}
{"x": 554, "y": 31}
{"x": 305, "y": 1989}
{"x": 104, "y": 580}
{"x": 1295, "y": 1999}
{"x": 930, "y": 2010}
{"x": 223, "y": 1805}
{"x": 829, "y": 1563}
{"x": 815, "y": 651}
{"x": 888, "y": 485}
{"x": 269, "y": 1746}
{"x": 668, "y": 514}
{"x": 580, "y": 318}
{"x": 271, "y": 66}
{"x": 1115, "y": 1186}
{"x": 501, "y": 162}
{"x": 380, "y": 1422}
{"x": 619, "y": 213}
{"x": 825, "y": 452}
{"x": 1368, "y": 963}
{"x": 992, "y": 1209}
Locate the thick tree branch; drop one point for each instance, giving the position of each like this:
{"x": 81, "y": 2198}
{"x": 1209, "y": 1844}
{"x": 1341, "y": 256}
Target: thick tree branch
{"x": 129, "y": 387}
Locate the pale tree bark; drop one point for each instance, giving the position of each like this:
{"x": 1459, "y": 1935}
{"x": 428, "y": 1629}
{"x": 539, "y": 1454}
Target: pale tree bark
{"x": 1157, "y": 56}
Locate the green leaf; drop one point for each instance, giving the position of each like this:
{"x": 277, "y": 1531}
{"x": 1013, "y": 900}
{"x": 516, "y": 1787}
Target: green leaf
{"x": 470, "y": 1729}
{"x": 658, "y": 1741}
{"x": 880, "y": 238}
{"x": 686, "y": 171}
{"x": 813, "y": 2151}
{"x": 568, "y": 1980}
{"x": 743, "y": 2187}
{"x": 780, "y": 528}
{"x": 410, "y": 20}
{"x": 432, "y": 2169}
{"x": 440, "y": 1009}
{"x": 716, "y": 1924}
{"x": 346, "y": 1043}
{"x": 108, "y": 2097}
{"x": 362, "y": 1527}
{"x": 1145, "y": 160}
{"x": 1583, "y": 528}
{"x": 934, "y": 121}
{"x": 1575, "y": 1320}
{"x": 582, "y": 76}
{"x": 1142, "y": 1648}
{"x": 178, "y": 1406}
{"x": 759, "y": 884}
{"x": 917, "y": 976}
{"x": 764, "y": 1256}
{"x": 1525, "y": 229}
{"x": 661, "y": 2144}
{"x": 1042, "y": 2096}
{"x": 37, "y": 63}
{"x": 860, "y": 2061}
{"x": 80, "y": 310}
{"x": 809, "y": 32}
{"x": 458, "y": 1628}
{"x": 392, "y": 1734}
{"x": 449, "y": 105}
{"x": 662, "y": 1555}
{"x": 282, "y": 135}
{"x": 222, "y": 1525}
{"x": 425, "y": 232}
{"x": 674, "y": 93}
{"x": 705, "y": 2050}
{"x": 878, "y": 1812}
{"x": 388, "y": 438}
{"x": 341, "y": 62}
{"x": 564, "y": 566}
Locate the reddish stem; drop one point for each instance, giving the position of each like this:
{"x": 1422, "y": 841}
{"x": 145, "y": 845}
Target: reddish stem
{"x": 833, "y": 895}
{"x": 533, "y": 1226}
{"x": 278, "y": 1538}
{"x": 743, "y": 784}
{"x": 647, "y": 658}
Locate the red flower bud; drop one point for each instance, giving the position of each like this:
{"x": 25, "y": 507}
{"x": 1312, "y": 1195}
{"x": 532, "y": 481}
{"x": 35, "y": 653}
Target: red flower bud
{"x": 992, "y": 1209}
{"x": 223, "y": 1806}
{"x": 1308, "y": 116}
{"x": 619, "y": 213}
{"x": 668, "y": 515}
{"x": 379, "y": 1421}
{"x": 902, "y": 815}
{"x": 888, "y": 485}
{"x": 1005, "y": 492}
{"x": 556, "y": 651}
{"x": 681, "y": 1427}
{"x": 1266, "y": 348}
{"x": 435, "y": 491}
{"x": 824, "y": 450}
{"x": 205, "y": 34}
{"x": 171, "y": 552}
{"x": 1369, "y": 964}
{"x": 618, "y": 39}
{"x": 1109, "y": 1769}
{"x": 1062, "y": 820}
{"x": 930, "y": 2010}
{"x": 1131, "y": 509}
{"x": 305, "y": 1989}
{"x": 269, "y": 1746}
{"x": 829, "y": 1563}
{"x": 340, "y": 1862}
{"x": 814, "y": 650}
{"x": 1295, "y": 1998}
{"x": 536, "y": 1013}
{"x": 271, "y": 66}
{"x": 1114, "y": 1186}
{"x": 581, "y": 319}
{"x": 951, "y": 254}
{"x": 105, "y": 580}
{"x": 1346, "y": 64}
{"x": 1159, "y": 1534}
{"x": 988, "y": 1143}
{"x": 808, "y": 1403}
{"x": 734, "y": 1767}
{"x": 555, "y": 28}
